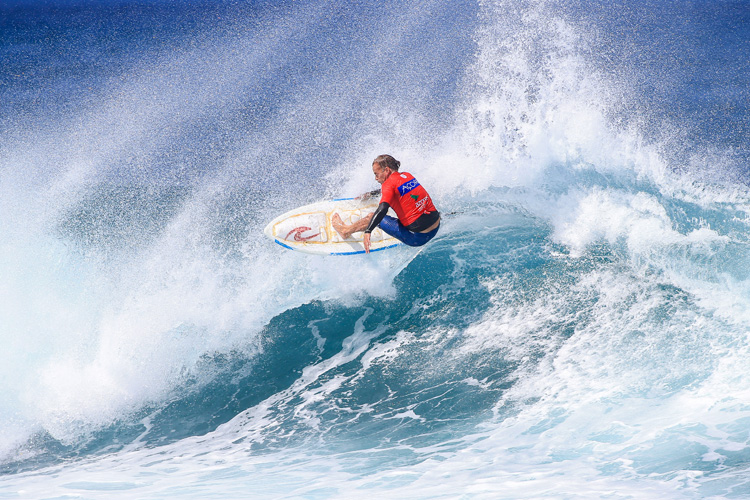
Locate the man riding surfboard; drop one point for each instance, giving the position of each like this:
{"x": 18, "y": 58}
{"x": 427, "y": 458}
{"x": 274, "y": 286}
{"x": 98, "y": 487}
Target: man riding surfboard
{"x": 418, "y": 219}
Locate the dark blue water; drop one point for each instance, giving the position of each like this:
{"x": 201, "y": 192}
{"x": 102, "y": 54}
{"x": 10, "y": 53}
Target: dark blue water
{"x": 687, "y": 64}
{"x": 577, "y": 329}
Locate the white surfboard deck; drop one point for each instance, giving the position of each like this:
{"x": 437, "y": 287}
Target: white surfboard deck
{"x": 308, "y": 229}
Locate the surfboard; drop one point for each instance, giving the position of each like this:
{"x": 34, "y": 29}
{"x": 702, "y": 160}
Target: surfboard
{"x": 308, "y": 229}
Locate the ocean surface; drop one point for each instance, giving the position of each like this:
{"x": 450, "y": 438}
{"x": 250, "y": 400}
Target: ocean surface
{"x": 579, "y": 328}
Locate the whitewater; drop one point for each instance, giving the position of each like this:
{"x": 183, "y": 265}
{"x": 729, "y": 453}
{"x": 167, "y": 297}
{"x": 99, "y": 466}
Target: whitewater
{"x": 579, "y": 328}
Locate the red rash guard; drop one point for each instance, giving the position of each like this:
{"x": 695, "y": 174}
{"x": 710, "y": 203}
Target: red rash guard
{"x": 406, "y": 196}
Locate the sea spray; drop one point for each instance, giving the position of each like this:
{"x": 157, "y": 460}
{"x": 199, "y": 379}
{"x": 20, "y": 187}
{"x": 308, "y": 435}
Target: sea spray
{"x": 577, "y": 328}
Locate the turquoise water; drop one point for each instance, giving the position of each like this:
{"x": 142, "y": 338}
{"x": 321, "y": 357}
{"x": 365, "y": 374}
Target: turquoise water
{"x": 577, "y": 329}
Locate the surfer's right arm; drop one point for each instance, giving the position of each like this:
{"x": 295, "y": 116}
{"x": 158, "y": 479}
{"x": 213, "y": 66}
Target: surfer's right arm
{"x": 376, "y": 218}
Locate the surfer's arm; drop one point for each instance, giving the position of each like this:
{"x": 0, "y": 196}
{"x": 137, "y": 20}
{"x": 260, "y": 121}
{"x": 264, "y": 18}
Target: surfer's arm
{"x": 377, "y": 217}
{"x": 374, "y": 221}
{"x": 368, "y": 195}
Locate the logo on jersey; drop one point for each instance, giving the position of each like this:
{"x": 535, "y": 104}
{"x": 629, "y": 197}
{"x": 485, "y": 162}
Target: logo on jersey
{"x": 408, "y": 186}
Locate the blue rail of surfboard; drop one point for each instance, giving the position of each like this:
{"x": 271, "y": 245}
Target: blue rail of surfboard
{"x": 283, "y": 245}
{"x": 344, "y": 253}
{"x": 362, "y": 251}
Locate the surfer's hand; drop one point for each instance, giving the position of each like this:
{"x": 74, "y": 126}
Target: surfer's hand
{"x": 366, "y": 241}
{"x": 368, "y": 195}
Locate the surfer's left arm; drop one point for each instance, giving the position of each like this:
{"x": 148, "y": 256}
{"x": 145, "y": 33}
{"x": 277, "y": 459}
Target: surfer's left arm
{"x": 368, "y": 195}
{"x": 376, "y": 218}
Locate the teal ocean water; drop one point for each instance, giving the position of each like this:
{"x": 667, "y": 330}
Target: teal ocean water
{"x": 577, "y": 329}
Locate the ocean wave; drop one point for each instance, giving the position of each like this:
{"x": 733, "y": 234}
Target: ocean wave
{"x": 577, "y": 328}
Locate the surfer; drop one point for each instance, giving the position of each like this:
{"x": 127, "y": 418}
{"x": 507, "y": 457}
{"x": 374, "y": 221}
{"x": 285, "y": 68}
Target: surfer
{"x": 418, "y": 219}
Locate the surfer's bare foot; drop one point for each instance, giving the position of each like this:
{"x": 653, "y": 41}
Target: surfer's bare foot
{"x": 340, "y": 227}
{"x": 346, "y": 231}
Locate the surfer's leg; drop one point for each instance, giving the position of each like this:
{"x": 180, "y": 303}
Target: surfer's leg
{"x": 393, "y": 227}
{"x": 347, "y": 230}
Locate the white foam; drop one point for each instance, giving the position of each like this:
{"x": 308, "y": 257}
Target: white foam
{"x": 615, "y": 364}
{"x": 637, "y": 219}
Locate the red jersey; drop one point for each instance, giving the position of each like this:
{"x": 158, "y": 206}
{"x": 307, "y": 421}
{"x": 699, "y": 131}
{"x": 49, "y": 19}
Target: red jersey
{"x": 406, "y": 197}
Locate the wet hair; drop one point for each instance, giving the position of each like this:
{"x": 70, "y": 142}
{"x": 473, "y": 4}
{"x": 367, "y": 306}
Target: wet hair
{"x": 387, "y": 161}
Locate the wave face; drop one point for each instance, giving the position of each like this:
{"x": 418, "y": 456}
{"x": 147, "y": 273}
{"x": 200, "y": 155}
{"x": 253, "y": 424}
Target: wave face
{"x": 577, "y": 329}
